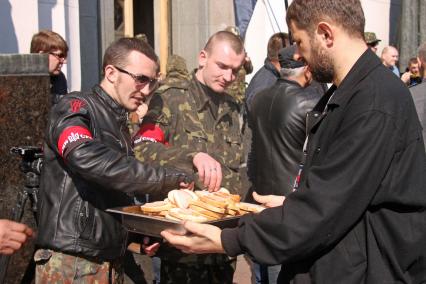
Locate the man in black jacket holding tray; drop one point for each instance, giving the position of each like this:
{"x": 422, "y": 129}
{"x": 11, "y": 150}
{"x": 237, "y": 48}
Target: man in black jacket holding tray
{"x": 358, "y": 214}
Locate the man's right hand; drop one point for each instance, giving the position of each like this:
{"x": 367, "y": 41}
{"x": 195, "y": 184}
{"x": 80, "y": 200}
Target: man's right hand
{"x": 209, "y": 171}
{"x": 175, "y": 178}
{"x": 406, "y": 77}
{"x": 12, "y": 236}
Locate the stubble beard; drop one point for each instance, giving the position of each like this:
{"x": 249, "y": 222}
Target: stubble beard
{"x": 321, "y": 65}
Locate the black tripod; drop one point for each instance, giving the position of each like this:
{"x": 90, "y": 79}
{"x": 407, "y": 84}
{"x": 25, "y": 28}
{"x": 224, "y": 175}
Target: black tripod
{"x": 30, "y": 166}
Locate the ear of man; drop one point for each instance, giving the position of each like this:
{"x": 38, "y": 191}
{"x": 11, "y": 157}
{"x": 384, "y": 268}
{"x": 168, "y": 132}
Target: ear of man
{"x": 111, "y": 73}
{"x": 202, "y": 58}
{"x": 326, "y": 33}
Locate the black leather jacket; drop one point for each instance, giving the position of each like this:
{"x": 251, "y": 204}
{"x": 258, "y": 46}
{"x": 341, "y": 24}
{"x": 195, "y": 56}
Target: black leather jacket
{"x": 277, "y": 120}
{"x": 89, "y": 166}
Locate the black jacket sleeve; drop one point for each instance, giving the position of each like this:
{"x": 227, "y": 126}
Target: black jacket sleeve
{"x": 333, "y": 196}
{"x": 72, "y": 137}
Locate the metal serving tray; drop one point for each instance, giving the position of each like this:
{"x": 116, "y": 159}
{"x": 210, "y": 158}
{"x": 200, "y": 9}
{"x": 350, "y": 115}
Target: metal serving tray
{"x": 134, "y": 221}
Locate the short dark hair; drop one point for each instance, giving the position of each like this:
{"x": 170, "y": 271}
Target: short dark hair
{"x": 234, "y": 41}
{"x": 116, "y": 54}
{"x": 48, "y": 41}
{"x": 275, "y": 43}
{"x": 413, "y": 60}
{"x": 306, "y": 14}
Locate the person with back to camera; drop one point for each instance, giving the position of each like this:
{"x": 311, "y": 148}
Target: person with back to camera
{"x": 278, "y": 122}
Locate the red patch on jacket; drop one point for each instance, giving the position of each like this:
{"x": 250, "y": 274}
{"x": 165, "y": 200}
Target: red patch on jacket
{"x": 76, "y": 105}
{"x": 73, "y": 136}
{"x": 150, "y": 132}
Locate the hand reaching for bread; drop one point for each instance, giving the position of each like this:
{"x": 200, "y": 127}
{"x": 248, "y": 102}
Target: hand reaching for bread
{"x": 209, "y": 171}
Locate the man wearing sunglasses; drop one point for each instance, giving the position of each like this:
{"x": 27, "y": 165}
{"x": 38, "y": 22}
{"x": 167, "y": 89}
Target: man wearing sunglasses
{"x": 89, "y": 167}
{"x": 46, "y": 41}
{"x": 198, "y": 121}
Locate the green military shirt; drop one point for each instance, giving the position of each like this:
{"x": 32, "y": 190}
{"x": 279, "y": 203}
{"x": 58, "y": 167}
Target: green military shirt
{"x": 184, "y": 114}
{"x": 182, "y": 111}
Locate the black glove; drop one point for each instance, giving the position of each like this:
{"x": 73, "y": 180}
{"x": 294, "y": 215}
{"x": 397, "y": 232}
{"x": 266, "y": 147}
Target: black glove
{"x": 173, "y": 177}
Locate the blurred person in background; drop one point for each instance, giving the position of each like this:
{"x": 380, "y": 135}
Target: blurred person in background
{"x": 372, "y": 41}
{"x": 390, "y": 57}
{"x": 419, "y": 91}
{"x": 412, "y": 75}
{"x": 46, "y": 41}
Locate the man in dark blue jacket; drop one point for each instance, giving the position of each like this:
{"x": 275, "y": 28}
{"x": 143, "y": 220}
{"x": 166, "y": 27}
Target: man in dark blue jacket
{"x": 358, "y": 214}
{"x": 266, "y": 76}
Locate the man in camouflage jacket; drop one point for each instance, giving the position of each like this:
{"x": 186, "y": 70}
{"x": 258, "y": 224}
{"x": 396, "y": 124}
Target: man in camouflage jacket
{"x": 196, "y": 118}
{"x": 190, "y": 117}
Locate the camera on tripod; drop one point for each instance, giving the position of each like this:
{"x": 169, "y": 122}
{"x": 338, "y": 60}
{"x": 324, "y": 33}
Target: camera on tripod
{"x": 30, "y": 166}
{"x": 32, "y": 158}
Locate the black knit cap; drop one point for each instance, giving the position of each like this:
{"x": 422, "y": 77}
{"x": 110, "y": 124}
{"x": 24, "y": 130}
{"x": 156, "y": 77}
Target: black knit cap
{"x": 286, "y": 58}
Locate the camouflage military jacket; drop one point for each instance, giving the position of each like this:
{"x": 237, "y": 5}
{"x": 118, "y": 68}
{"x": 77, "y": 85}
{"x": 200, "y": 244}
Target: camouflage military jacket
{"x": 181, "y": 119}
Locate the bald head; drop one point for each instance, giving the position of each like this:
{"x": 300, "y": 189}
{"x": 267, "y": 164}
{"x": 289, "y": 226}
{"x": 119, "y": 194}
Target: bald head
{"x": 233, "y": 40}
{"x": 390, "y": 56}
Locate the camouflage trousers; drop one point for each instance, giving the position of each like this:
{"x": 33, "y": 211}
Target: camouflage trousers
{"x": 194, "y": 273}
{"x": 57, "y": 267}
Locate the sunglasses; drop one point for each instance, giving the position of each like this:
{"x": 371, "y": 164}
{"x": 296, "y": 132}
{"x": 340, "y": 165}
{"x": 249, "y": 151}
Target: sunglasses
{"x": 59, "y": 56}
{"x": 140, "y": 79}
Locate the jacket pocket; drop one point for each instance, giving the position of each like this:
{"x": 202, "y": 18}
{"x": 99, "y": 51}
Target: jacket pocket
{"x": 85, "y": 221}
{"x": 196, "y": 138}
{"x": 233, "y": 151}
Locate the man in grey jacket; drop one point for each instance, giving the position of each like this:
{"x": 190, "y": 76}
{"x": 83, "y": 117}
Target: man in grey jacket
{"x": 419, "y": 91}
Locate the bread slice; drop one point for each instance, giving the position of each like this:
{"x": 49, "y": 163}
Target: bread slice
{"x": 224, "y": 190}
{"x": 187, "y": 214}
{"x": 156, "y": 206}
{"x": 181, "y": 198}
{"x": 212, "y": 215}
{"x": 207, "y": 206}
{"x": 250, "y": 207}
{"x": 227, "y": 196}
{"x": 231, "y": 212}
{"x": 214, "y": 200}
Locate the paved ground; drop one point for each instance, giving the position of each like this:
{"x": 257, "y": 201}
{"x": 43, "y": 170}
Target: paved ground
{"x": 242, "y": 274}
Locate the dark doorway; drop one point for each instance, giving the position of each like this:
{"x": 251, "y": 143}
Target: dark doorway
{"x": 143, "y": 19}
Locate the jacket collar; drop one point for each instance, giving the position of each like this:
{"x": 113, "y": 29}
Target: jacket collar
{"x": 202, "y": 99}
{"x": 335, "y": 97}
{"x": 271, "y": 67}
{"x": 118, "y": 110}
{"x": 287, "y": 81}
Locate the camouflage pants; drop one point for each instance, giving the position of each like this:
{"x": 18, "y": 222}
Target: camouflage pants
{"x": 57, "y": 267}
{"x": 180, "y": 273}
